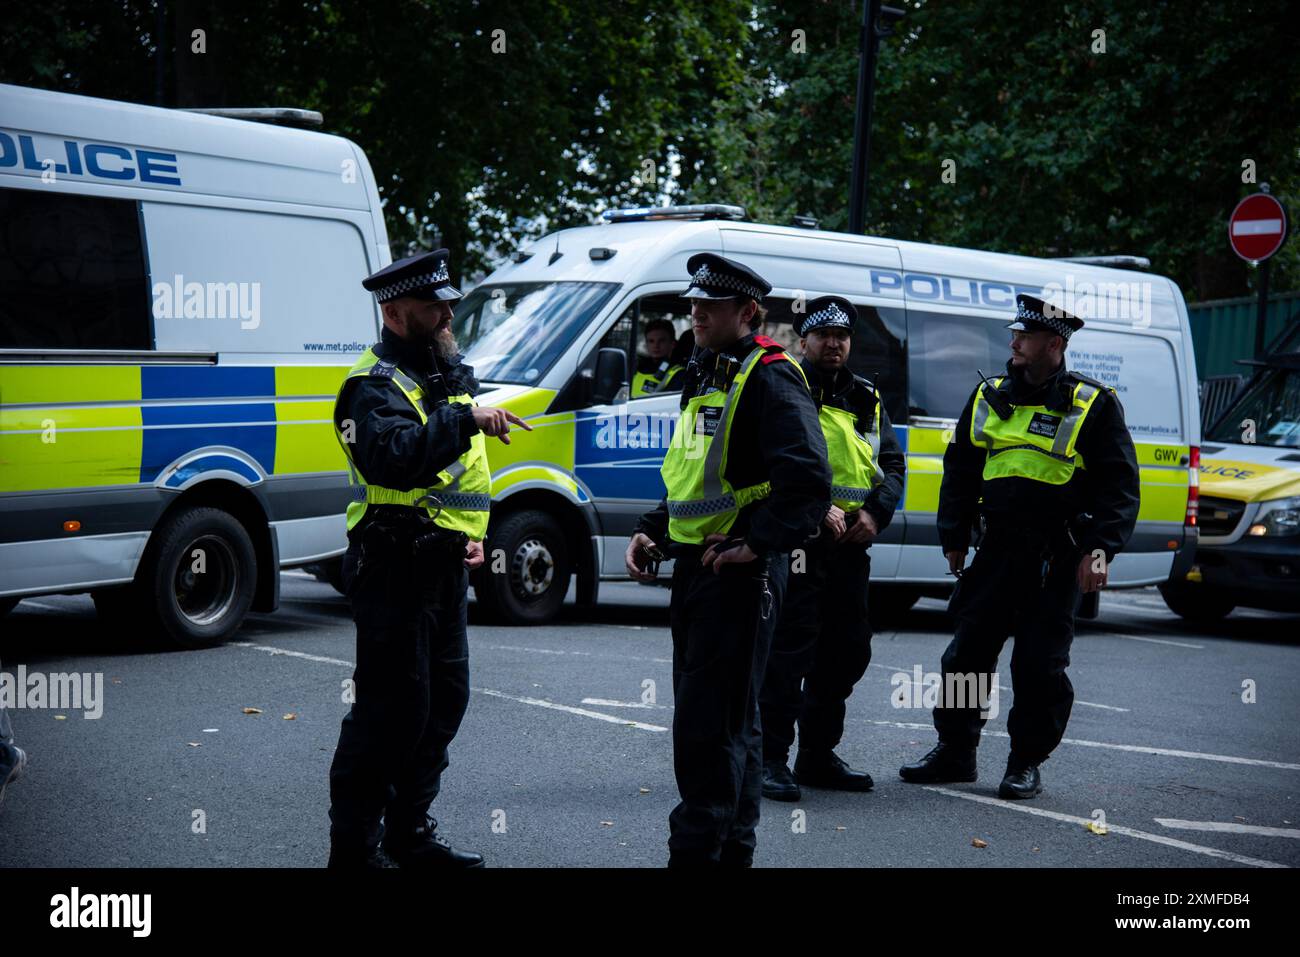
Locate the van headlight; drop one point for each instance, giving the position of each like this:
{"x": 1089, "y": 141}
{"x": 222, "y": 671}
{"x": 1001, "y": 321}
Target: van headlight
{"x": 1278, "y": 517}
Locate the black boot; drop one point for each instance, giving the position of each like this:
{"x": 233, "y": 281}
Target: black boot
{"x": 825, "y": 769}
{"x": 1021, "y": 782}
{"x": 945, "y": 763}
{"x": 423, "y": 847}
{"x": 778, "y": 783}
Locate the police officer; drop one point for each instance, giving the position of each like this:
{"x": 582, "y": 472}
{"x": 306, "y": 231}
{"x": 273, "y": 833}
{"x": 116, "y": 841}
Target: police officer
{"x": 747, "y": 480}
{"x": 414, "y": 439}
{"x": 1044, "y": 469}
{"x": 822, "y": 644}
{"x": 656, "y": 371}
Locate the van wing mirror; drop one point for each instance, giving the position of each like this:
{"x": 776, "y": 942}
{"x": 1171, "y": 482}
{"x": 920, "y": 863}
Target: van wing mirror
{"x": 610, "y": 377}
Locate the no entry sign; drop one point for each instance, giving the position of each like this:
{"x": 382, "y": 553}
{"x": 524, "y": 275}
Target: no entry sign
{"x": 1257, "y": 227}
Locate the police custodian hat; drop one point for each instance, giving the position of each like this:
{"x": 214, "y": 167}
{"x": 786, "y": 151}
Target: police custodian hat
{"x": 716, "y": 277}
{"x": 828, "y": 312}
{"x": 1034, "y": 315}
{"x": 421, "y": 277}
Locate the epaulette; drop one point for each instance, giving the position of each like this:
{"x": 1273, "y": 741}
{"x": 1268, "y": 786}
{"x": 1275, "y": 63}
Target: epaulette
{"x": 775, "y": 351}
{"x": 383, "y": 369}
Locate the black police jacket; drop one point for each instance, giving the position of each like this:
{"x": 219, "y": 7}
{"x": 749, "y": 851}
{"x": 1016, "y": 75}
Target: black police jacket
{"x": 775, "y": 437}
{"x": 1109, "y": 488}
{"x": 391, "y": 447}
{"x": 844, "y": 390}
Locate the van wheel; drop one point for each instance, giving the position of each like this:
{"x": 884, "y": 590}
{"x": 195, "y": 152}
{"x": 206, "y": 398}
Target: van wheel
{"x": 1196, "y": 604}
{"x": 198, "y": 577}
{"x": 537, "y": 568}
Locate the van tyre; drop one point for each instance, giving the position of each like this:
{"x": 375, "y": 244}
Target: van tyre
{"x": 1196, "y": 604}
{"x": 534, "y": 566}
{"x": 197, "y": 578}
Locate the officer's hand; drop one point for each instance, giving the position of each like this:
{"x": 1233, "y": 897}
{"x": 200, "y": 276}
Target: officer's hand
{"x": 473, "y": 554}
{"x": 1090, "y": 580}
{"x": 834, "y": 520}
{"x": 714, "y": 559}
{"x": 636, "y": 558}
{"x": 497, "y": 422}
{"x": 956, "y": 561}
{"x": 862, "y": 528}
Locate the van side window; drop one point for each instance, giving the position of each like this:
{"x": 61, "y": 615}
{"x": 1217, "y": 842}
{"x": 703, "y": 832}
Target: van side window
{"x": 947, "y": 351}
{"x": 72, "y": 273}
{"x": 878, "y": 353}
{"x": 664, "y": 342}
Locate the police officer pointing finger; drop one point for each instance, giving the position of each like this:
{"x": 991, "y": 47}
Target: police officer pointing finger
{"x": 414, "y": 438}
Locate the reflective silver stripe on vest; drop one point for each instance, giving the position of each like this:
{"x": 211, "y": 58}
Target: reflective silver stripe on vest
{"x": 405, "y": 381}
{"x": 981, "y": 415}
{"x": 455, "y": 470}
{"x": 700, "y": 507}
{"x": 713, "y": 458}
{"x": 461, "y": 501}
{"x": 1072, "y": 417}
{"x": 849, "y": 492}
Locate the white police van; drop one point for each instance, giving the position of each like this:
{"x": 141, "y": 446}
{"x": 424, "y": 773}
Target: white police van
{"x": 180, "y": 298}
{"x": 555, "y": 333}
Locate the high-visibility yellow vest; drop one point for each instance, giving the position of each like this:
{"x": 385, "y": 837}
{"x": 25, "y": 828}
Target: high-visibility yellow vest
{"x": 1035, "y": 442}
{"x": 460, "y": 498}
{"x": 648, "y": 383}
{"x": 701, "y": 501}
{"x": 852, "y": 455}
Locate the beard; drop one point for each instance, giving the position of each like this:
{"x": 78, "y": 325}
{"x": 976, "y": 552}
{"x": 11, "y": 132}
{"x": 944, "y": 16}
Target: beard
{"x": 444, "y": 343}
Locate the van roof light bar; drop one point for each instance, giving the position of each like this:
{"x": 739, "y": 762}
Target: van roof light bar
{"x": 1115, "y": 262}
{"x": 701, "y": 211}
{"x": 277, "y": 115}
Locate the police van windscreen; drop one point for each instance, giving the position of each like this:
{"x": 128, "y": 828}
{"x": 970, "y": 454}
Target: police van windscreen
{"x": 511, "y": 334}
{"x": 1272, "y": 405}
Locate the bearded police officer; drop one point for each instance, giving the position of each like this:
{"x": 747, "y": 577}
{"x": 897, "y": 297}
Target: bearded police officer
{"x": 747, "y": 480}
{"x": 822, "y": 644}
{"x": 414, "y": 439}
{"x": 1043, "y": 467}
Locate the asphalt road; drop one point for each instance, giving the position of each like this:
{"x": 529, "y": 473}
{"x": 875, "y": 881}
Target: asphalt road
{"x": 561, "y": 761}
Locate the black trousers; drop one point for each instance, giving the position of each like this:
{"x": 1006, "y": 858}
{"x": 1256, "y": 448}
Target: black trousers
{"x": 1006, "y": 593}
{"x": 411, "y": 688}
{"x": 722, "y": 625}
{"x": 820, "y": 651}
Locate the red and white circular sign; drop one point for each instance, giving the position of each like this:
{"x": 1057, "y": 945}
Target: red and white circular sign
{"x": 1257, "y": 227}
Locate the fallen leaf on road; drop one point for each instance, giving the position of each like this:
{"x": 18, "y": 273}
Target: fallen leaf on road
{"x": 1096, "y": 827}
{"x": 194, "y": 744}
{"x": 60, "y": 717}
{"x": 840, "y": 827}
{"x": 606, "y": 823}
{"x": 976, "y": 842}
{"x": 290, "y": 717}
{"x": 252, "y": 711}
{"x": 644, "y": 790}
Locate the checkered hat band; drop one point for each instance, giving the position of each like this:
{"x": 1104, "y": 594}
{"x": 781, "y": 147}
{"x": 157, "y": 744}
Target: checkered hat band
{"x": 1059, "y": 326}
{"x": 707, "y": 278}
{"x": 403, "y": 286}
{"x": 832, "y": 315}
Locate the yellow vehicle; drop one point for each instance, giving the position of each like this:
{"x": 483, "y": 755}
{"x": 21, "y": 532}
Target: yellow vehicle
{"x": 1249, "y": 549}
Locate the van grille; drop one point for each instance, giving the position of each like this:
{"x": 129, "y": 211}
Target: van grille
{"x": 1219, "y": 516}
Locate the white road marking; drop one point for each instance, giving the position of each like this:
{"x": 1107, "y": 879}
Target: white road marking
{"x": 1154, "y": 641}
{"x": 611, "y": 703}
{"x": 581, "y": 654}
{"x": 1228, "y": 827}
{"x": 271, "y": 649}
{"x": 1111, "y": 828}
{"x": 1139, "y": 749}
{"x": 538, "y": 702}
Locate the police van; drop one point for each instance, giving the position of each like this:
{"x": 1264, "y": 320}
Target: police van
{"x": 180, "y": 299}
{"x": 1249, "y": 549}
{"x": 556, "y": 334}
